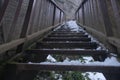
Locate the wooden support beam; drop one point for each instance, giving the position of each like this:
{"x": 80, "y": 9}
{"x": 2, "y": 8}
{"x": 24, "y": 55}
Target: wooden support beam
{"x": 86, "y": 45}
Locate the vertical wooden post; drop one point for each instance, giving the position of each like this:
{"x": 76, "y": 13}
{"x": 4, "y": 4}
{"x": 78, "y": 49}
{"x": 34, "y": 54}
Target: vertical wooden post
{"x": 78, "y": 15}
{"x": 54, "y": 15}
{"x": 116, "y": 11}
{"x": 83, "y": 15}
{"x": 104, "y": 10}
{"x": 14, "y": 22}
{"x": 88, "y": 6}
{"x": 38, "y": 17}
{"x": 31, "y": 21}
{"x": 60, "y": 16}
{"x": 25, "y": 24}
{"x": 41, "y": 16}
{"x": 92, "y": 12}
{"x": 44, "y": 14}
{"x": 51, "y": 14}
{"x": 35, "y": 16}
{"x": 88, "y": 12}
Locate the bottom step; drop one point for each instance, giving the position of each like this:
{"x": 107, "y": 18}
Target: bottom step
{"x": 64, "y": 67}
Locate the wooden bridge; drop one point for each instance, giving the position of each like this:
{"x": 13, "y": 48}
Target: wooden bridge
{"x": 27, "y": 32}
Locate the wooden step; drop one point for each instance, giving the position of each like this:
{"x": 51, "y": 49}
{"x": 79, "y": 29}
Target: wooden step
{"x": 67, "y": 67}
{"x": 67, "y": 31}
{"x": 68, "y": 35}
{"x": 67, "y": 39}
{"x": 86, "y": 45}
{"x": 68, "y": 52}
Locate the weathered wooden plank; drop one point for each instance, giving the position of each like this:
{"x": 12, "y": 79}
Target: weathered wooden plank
{"x": 67, "y": 39}
{"x": 67, "y": 32}
{"x": 65, "y": 67}
{"x": 67, "y": 35}
{"x": 86, "y": 45}
{"x": 67, "y": 52}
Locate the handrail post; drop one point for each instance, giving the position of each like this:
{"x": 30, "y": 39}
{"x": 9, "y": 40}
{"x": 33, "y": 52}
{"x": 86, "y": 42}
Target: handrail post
{"x": 54, "y": 15}
{"x": 25, "y": 25}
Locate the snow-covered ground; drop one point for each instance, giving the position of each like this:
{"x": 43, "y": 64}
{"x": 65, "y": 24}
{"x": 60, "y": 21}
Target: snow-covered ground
{"x": 111, "y": 60}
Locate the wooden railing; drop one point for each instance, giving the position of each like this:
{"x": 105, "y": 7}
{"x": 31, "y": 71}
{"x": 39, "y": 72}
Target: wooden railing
{"x": 102, "y": 19}
{"x": 23, "y": 21}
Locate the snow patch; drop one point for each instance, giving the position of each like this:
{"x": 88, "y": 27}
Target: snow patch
{"x": 51, "y": 59}
{"x": 94, "y": 75}
{"x": 72, "y": 25}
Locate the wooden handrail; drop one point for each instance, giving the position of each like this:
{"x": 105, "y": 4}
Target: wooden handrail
{"x": 7, "y": 46}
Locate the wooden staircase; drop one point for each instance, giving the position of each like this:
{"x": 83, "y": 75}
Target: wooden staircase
{"x": 62, "y": 42}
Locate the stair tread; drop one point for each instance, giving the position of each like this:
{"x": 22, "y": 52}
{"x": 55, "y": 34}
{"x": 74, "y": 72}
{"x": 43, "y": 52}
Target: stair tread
{"x": 67, "y": 39}
{"x": 67, "y": 67}
{"x": 68, "y": 51}
{"x": 88, "y": 45}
